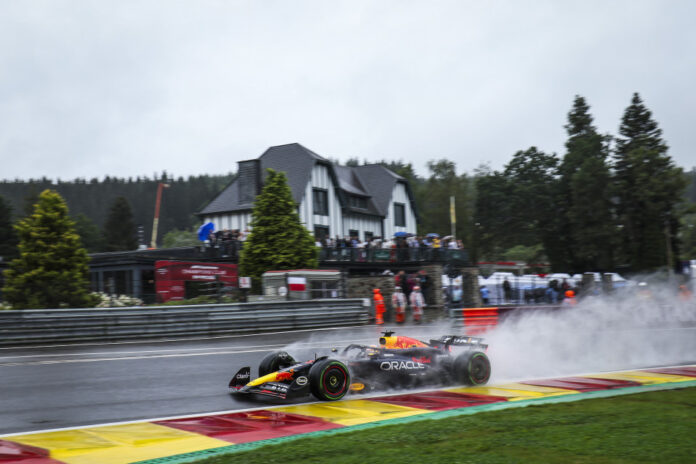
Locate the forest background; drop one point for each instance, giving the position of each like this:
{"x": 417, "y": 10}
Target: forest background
{"x": 608, "y": 203}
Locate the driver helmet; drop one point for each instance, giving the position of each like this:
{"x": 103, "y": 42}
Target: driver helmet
{"x": 416, "y": 288}
{"x": 569, "y": 294}
{"x": 376, "y": 290}
{"x": 397, "y": 288}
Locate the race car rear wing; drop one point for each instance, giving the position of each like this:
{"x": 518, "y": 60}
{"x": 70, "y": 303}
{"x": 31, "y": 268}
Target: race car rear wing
{"x": 456, "y": 340}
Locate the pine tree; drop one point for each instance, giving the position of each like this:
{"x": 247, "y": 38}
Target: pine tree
{"x": 92, "y": 238}
{"x": 532, "y": 177}
{"x": 8, "y": 238}
{"x": 51, "y": 270}
{"x": 587, "y": 229}
{"x": 648, "y": 188}
{"x": 493, "y": 216}
{"x": 119, "y": 230}
{"x": 278, "y": 241}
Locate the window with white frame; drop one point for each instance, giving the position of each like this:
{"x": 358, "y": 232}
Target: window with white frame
{"x": 321, "y": 201}
{"x": 399, "y": 215}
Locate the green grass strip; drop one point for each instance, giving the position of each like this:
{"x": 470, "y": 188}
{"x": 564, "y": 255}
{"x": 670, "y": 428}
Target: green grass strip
{"x": 401, "y": 437}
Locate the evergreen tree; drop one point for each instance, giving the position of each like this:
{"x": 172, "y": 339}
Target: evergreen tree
{"x": 51, "y": 270}
{"x": 493, "y": 216}
{"x": 119, "y": 230}
{"x": 586, "y": 227}
{"x": 278, "y": 241}
{"x": 8, "y": 238}
{"x": 92, "y": 238}
{"x": 648, "y": 189}
{"x": 533, "y": 187}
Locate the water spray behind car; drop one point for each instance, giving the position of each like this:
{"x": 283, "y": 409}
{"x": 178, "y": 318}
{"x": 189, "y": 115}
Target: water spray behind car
{"x": 639, "y": 326}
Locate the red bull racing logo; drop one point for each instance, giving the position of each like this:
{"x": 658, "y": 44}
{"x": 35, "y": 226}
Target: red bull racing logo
{"x": 286, "y": 376}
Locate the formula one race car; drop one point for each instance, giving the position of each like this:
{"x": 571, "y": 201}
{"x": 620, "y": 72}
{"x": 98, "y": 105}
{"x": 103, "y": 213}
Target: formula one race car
{"x": 398, "y": 362}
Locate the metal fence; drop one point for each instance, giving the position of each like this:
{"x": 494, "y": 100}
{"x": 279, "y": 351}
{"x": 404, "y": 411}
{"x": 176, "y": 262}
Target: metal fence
{"x": 32, "y": 326}
{"x": 394, "y": 255}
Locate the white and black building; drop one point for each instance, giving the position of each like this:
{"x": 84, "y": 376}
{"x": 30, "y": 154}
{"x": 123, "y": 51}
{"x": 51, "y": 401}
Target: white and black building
{"x": 332, "y": 200}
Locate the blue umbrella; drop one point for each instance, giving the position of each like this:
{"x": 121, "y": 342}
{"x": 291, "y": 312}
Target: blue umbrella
{"x": 401, "y": 234}
{"x": 433, "y": 235}
{"x": 205, "y": 230}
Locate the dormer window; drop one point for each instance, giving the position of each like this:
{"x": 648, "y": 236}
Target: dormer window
{"x": 357, "y": 202}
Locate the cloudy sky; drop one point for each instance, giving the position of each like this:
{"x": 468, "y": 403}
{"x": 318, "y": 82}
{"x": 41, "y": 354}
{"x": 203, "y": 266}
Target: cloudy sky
{"x": 96, "y": 88}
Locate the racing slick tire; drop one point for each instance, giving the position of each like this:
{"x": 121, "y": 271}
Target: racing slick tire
{"x": 274, "y": 362}
{"x": 472, "y": 368}
{"x": 329, "y": 380}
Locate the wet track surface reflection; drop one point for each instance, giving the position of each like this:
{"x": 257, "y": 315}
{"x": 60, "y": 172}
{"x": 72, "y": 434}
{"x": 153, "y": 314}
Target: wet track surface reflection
{"x": 64, "y": 386}
{"x": 53, "y": 387}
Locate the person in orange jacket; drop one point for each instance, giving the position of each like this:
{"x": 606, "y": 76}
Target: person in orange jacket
{"x": 380, "y": 309}
{"x": 569, "y": 299}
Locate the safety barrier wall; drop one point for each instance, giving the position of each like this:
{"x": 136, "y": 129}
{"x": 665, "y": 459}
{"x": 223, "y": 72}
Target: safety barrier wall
{"x": 32, "y": 326}
{"x": 476, "y": 321}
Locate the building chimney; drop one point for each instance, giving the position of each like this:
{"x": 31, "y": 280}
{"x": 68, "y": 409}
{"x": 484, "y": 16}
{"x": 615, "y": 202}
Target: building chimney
{"x": 249, "y": 183}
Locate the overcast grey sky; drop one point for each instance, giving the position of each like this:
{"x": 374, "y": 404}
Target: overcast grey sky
{"x": 95, "y": 88}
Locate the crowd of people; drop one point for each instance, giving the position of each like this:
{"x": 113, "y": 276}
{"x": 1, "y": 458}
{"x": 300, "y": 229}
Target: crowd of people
{"x": 230, "y": 241}
{"x": 411, "y": 292}
{"x": 410, "y": 241}
{"x": 400, "y": 249}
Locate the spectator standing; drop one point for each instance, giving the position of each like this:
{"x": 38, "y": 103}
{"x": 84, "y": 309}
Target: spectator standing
{"x": 417, "y": 302}
{"x": 507, "y": 290}
{"x": 424, "y": 284}
{"x": 400, "y": 279}
{"x": 485, "y": 294}
{"x": 399, "y": 304}
{"x": 569, "y": 299}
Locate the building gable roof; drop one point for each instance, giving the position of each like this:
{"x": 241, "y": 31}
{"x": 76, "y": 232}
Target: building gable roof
{"x": 373, "y": 182}
{"x": 380, "y": 183}
{"x": 296, "y": 161}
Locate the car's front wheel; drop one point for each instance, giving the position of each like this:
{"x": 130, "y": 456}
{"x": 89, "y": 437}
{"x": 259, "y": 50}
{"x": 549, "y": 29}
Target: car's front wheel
{"x": 274, "y": 362}
{"x": 472, "y": 368}
{"x": 329, "y": 380}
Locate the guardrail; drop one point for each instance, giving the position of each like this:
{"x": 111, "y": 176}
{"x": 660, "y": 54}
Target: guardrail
{"x": 32, "y": 326}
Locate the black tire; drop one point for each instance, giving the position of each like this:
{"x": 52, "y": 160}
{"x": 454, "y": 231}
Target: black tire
{"x": 274, "y": 362}
{"x": 472, "y": 368}
{"x": 329, "y": 380}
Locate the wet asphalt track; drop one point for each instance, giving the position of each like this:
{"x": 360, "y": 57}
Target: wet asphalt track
{"x": 65, "y": 386}
{"x": 62, "y": 386}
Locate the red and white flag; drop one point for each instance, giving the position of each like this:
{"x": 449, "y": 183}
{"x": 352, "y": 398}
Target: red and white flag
{"x": 297, "y": 284}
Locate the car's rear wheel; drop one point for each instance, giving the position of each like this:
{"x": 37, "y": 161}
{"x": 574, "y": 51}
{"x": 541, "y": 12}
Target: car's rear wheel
{"x": 274, "y": 362}
{"x": 472, "y": 368}
{"x": 329, "y": 380}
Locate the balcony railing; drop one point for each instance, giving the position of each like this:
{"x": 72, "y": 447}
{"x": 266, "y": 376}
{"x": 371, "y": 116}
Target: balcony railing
{"x": 363, "y": 255}
{"x": 393, "y": 255}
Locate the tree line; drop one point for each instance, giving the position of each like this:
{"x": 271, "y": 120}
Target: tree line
{"x": 108, "y": 212}
{"x": 608, "y": 203}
